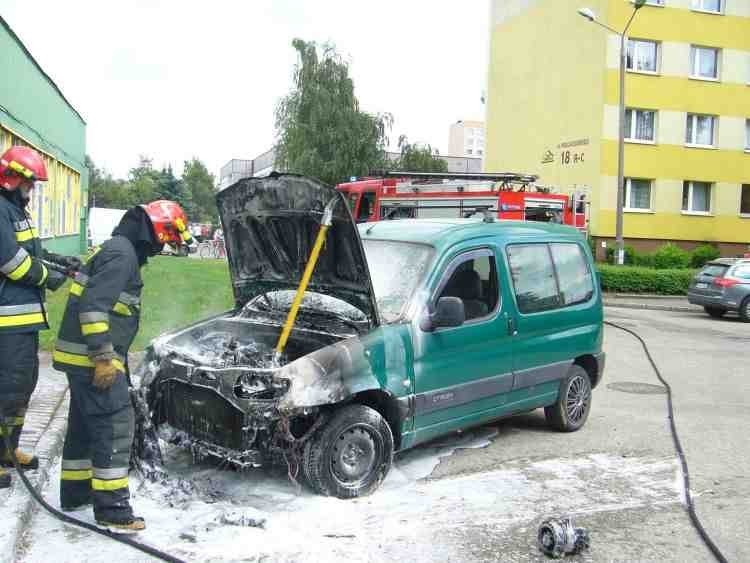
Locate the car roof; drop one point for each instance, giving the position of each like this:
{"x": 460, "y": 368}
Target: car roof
{"x": 729, "y": 261}
{"x": 446, "y": 232}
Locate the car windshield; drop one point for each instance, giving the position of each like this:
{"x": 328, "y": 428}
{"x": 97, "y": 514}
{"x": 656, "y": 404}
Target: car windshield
{"x": 396, "y": 268}
{"x": 714, "y": 270}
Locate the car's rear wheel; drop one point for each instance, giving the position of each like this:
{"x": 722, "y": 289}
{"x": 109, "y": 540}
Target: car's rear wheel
{"x": 573, "y": 404}
{"x": 351, "y": 455}
{"x": 745, "y": 310}
{"x": 715, "y": 312}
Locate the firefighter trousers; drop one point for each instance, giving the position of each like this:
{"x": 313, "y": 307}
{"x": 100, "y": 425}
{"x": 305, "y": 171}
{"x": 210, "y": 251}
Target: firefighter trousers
{"x": 96, "y": 454}
{"x": 19, "y": 372}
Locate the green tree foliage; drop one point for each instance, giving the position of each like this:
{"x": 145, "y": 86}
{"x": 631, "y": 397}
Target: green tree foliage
{"x": 200, "y": 183}
{"x": 320, "y": 128}
{"x": 416, "y": 158}
{"x": 194, "y": 191}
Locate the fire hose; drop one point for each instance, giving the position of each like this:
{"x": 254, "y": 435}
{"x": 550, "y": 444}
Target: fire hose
{"x": 715, "y": 551}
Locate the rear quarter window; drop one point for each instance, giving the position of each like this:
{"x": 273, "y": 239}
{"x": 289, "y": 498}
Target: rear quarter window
{"x": 742, "y": 272}
{"x": 573, "y": 273}
{"x": 549, "y": 276}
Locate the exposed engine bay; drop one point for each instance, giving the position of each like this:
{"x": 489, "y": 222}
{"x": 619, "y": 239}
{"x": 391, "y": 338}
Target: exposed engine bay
{"x": 219, "y": 383}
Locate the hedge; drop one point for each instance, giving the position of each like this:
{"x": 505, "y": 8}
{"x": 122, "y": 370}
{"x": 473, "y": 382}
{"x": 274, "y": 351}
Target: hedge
{"x": 630, "y": 279}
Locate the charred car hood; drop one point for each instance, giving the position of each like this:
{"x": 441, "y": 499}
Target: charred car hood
{"x": 270, "y": 225}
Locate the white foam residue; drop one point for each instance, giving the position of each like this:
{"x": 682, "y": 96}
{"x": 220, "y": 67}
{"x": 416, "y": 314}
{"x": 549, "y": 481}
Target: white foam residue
{"x": 408, "y": 518}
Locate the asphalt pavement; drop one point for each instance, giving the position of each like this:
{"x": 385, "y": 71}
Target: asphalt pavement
{"x": 481, "y": 496}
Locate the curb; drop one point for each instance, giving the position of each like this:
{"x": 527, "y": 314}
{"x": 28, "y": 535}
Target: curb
{"x": 48, "y": 450}
{"x": 650, "y": 307}
{"x": 640, "y": 296}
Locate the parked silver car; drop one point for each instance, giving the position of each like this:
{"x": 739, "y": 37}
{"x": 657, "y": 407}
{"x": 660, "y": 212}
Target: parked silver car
{"x": 723, "y": 285}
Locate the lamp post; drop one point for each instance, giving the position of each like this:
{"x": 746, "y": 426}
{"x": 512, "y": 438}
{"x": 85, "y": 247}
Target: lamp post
{"x": 591, "y": 16}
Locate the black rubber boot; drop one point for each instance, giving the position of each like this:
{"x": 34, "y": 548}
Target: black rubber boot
{"x": 130, "y": 525}
{"x": 4, "y": 479}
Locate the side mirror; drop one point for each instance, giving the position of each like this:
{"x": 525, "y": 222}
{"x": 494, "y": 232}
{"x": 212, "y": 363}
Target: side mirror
{"x": 449, "y": 312}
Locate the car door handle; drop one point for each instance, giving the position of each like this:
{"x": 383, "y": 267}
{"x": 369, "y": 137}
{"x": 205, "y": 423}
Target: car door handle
{"x": 511, "y": 323}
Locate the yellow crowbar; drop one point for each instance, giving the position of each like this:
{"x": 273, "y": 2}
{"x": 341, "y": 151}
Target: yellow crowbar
{"x": 325, "y": 224}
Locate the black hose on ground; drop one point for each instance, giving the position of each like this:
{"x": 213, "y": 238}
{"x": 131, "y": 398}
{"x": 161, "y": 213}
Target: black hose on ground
{"x": 86, "y": 525}
{"x": 678, "y": 447}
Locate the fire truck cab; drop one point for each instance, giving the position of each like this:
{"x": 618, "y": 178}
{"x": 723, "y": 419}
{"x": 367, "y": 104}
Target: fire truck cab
{"x": 402, "y": 195}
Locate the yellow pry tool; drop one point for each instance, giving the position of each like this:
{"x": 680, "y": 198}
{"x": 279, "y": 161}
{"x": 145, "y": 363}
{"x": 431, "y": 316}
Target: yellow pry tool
{"x": 325, "y": 223}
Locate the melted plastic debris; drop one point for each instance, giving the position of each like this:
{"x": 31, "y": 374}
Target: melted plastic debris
{"x": 225, "y": 349}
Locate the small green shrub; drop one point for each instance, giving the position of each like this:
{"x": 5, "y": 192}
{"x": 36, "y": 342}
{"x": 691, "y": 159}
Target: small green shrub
{"x": 671, "y": 256}
{"x": 631, "y": 279}
{"x": 643, "y": 260}
{"x": 702, "y": 254}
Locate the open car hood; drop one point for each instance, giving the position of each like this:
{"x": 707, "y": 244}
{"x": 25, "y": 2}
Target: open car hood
{"x": 270, "y": 225}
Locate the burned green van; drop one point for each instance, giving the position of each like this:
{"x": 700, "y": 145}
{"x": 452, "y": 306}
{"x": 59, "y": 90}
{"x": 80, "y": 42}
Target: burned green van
{"x": 409, "y": 330}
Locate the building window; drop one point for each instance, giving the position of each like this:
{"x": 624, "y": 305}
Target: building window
{"x": 639, "y": 124}
{"x": 642, "y": 55}
{"x": 747, "y": 134}
{"x": 637, "y": 194}
{"x": 745, "y": 200}
{"x": 704, "y": 62}
{"x": 701, "y": 130}
{"x": 696, "y": 197}
{"x": 480, "y": 152}
{"x": 655, "y": 2}
{"x": 469, "y": 151}
{"x": 713, "y": 6}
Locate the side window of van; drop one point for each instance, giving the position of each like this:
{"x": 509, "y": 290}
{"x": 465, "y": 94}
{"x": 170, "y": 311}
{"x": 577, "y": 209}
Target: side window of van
{"x": 533, "y": 277}
{"x": 474, "y": 281}
{"x": 573, "y": 274}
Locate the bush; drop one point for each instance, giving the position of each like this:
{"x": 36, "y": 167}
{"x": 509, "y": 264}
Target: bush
{"x": 630, "y": 279}
{"x": 643, "y": 260}
{"x": 702, "y": 254}
{"x": 671, "y": 256}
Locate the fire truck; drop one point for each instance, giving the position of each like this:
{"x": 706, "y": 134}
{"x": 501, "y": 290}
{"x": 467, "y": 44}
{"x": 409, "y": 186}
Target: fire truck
{"x": 401, "y": 195}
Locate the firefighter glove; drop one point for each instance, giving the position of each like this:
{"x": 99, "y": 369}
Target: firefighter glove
{"x": 55, "y": 279}
{"x": 105, "y": 373}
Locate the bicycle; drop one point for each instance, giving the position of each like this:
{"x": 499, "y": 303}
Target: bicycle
{"x": 212, "y": 249}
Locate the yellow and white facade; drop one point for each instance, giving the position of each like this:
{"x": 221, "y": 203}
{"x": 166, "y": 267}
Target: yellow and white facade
{"x": 552, "y": 109}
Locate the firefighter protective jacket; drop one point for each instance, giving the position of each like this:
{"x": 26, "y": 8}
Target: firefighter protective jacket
{"x": 22, "y": 274}
{"x": 102, "y": 315}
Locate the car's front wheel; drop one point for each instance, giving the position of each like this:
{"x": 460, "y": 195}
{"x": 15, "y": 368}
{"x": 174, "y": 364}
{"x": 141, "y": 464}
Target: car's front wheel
{"x": 351, "y": 455}
{"x": 715, "y": 312}
{"x": 573, "y": 404}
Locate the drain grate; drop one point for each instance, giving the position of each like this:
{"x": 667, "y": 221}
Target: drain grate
{"x": 637, "y": 388}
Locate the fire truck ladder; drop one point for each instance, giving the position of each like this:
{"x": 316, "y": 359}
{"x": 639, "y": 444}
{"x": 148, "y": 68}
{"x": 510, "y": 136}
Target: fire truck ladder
{"x": 428, "y": 182}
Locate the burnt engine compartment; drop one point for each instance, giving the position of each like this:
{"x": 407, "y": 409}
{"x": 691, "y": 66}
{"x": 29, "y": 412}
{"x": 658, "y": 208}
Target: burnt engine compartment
{"x": 217, "y": 383}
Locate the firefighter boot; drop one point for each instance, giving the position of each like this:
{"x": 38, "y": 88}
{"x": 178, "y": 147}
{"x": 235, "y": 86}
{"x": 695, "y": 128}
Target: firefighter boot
{"x": 126, "y": 525}
{"x": 26, "y": 461}
{"x": 4, "y": 479}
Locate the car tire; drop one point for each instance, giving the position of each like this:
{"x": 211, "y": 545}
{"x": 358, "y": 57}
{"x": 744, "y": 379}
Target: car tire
{"x": 570, "y": 411}
{"x": 350, "y": 455}
{"x": 715, "y": 312}
{"x": 745, "y": 310}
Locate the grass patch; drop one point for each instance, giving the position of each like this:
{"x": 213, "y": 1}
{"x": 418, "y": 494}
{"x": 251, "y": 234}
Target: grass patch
{"x": 176, "y": 292}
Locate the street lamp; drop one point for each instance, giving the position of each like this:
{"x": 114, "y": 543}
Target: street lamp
{"x": 589, "y": 14}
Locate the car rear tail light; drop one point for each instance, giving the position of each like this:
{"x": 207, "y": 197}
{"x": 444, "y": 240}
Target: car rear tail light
{"x": 725, "y": 282}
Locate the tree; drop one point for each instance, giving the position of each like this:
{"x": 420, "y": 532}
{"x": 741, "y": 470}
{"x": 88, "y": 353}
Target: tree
{"x": 105, "y": 191}
{"x": 415, "y": 158}
{"x": 199, "y": 182}
{"x": 320, "y": 129}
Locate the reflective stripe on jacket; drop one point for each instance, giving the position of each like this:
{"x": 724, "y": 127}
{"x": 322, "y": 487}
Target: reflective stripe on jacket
{"x": 22, "y": 274}
{"x": 102, "y": 314}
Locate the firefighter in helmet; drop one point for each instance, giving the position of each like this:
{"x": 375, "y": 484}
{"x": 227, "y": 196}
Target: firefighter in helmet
{"x": 23, "y": 280}
{"x": 100, "y": 322}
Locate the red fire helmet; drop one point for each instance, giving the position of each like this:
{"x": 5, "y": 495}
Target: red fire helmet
{"x": 18, "y": 164}
{"x": 169, "y": 221}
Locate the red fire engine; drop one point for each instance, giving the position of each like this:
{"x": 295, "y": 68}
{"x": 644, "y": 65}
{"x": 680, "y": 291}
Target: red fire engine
{"x": 401, "y": 195}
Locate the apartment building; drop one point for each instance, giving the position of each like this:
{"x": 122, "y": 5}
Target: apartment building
{"x": 552, "y": 109}
{"x": 466, "y": 138}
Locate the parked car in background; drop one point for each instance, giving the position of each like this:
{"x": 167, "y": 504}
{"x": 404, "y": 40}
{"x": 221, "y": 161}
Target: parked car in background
{"x": 723, "y": 285}
{"x": 408, "y": 330}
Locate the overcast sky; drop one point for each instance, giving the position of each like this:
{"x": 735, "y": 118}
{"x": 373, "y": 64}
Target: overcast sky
{"x": 175, "y": 79}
